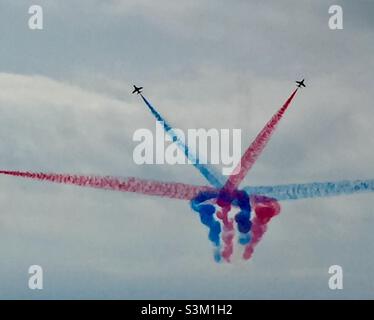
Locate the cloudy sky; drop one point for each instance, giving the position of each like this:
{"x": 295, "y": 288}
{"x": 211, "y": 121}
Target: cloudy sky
{"x": 66, "y": 106}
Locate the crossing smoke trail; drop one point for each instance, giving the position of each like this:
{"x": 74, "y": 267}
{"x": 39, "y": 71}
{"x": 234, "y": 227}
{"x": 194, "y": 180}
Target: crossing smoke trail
{"x": 253, "y": 152}
{"x": 244, "y": 224}
{"x": 130, "y": 184}
{"x": 176, "y": 190}
{"x": 204, "y": 203}
{"x": 209, "y": 173}
{"x": 206, "y": 211}
{"x": 263, "y": 199}
{"x": 227, "y": 195}
{"x": 205, "y": 200}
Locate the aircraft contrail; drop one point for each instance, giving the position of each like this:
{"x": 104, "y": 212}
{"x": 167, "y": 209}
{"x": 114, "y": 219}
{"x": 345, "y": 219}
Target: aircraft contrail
{"x": 214, "y": 202}
{"x": 172, "y": 190}
{"x": 183, "y": 191}
{"x": 214, "y": 178}
{"x": 300, "y": 191}
{"x": 264, "y": 199}
{"x": 255, "y": 149}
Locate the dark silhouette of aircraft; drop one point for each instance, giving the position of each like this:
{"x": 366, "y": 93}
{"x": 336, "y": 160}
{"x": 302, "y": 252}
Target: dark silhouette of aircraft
{"x": 137, "y": 90}
{"x": 300, "y": 83}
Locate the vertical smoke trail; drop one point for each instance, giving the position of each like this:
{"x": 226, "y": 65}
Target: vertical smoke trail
{"x": 265, "y": 209}
{"x": 215, "y": 179}
{"x": 206, "y": 212}
{"x": 258, "y": 230}
{"x": 148, "y": 187}
{"x": 227, "y": 233}
{"x": 255, "y": 149}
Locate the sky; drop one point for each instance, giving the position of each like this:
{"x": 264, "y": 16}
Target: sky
{"x": 66, "y": 106}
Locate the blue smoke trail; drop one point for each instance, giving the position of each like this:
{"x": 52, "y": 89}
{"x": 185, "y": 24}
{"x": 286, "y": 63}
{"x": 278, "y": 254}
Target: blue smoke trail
{"x": 207, "y": 213}
{"x": 215, "y": 179}
{"x": 312, "y": 190}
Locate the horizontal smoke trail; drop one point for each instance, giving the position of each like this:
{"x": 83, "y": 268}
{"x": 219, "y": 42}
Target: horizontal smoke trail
{"x": 148, "y": 187}
{"x": 215, "y": 179}
{"x": 254, "y": 150}
{"x": 184, "y": 191}
{"x": 264, "y": 207}
{"x": 313, "y": 190}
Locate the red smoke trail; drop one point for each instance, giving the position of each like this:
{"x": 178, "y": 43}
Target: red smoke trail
{"x": 265, "y": 209}
{"x": 257, "y": 231}
{"x": 148, "y": 187}
{"x": 227, "y": 234}
{"x": 255, "y": 149}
